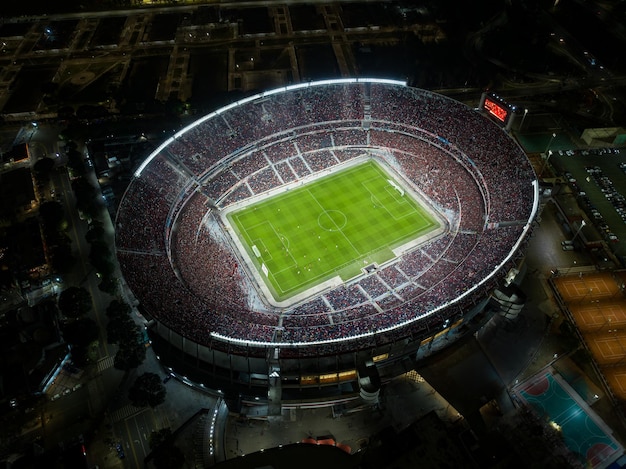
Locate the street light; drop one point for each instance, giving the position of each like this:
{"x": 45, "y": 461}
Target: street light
{"x": 523, "y": 118}
{"x": 582, "y": 223}
{"x": 545, "y": 162}
{"x": 550, "y": 142}
{"x": 548, "y": 154}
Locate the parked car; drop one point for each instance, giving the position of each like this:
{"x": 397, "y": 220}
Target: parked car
{"x": 120, "y": 451}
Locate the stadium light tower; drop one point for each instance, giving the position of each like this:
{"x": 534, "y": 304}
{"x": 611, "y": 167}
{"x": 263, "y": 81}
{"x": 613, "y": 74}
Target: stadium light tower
{"x": 582, "y": 223}
{"x": 521, "y": 125}
{"x": 549, "y": 143}
{"x": 547, "y": 154}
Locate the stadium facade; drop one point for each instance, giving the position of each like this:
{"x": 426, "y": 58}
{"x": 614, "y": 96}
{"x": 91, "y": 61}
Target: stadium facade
{"x": 209, "y": 317}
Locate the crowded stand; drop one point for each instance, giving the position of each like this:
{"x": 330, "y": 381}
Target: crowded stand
{"x": 202, "y": 146}
{"x": 191, "y": 278}
{"x": 392, "y": 276}
{"x": 413, "y": 263}
{"x": 309, "y": 142}
{"x": 284, "y": 172}
{"x": 248, "y": 165}
{"x": 409, "y": 290}
{"x": 320, "y": 160}
{"x": 239, "y": 193}
{"x": 299, "y": 166}
{"x": 220, "y": 184}
{"x": 345, "y": 296}
{"x": 372, "y": 286}
{"x": 462, "y": 247}
{"x": 354, "y": 136}
{"x": 263, "y": 181}
{"x": 140, "y": 224}
{"x": 345, "y": 154}
{"x": 388, "y": 301}
{"x": 314, "y": 319}
{"x": 280, "y": 151}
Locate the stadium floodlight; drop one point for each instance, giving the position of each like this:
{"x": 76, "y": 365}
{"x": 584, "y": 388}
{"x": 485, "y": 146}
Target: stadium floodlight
{"x": 274, "y": 91}
{"x": 582, "y": 223}
{"x": 549, "y": 143}
{"x": 384, "y": 81}
{"x": 149, "y": 159}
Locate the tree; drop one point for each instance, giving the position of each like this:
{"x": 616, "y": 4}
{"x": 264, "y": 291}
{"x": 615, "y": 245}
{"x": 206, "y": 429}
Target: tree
{"x": 82, "y": 335}
{"x": 165, "y": 454}
{"x": 53, "y": 216}
{"x": 85, "y": 197}
{"x": 43, "y": 167}
{"x": 169, "y": 457}
{"x": 118, "y": 309}
{"x": 101, "y": 258}
{"x": 95, "y": 233}
{"x": 74, "y": 302}
{"x": 158, "y": 437}
{"x": 75, "y": 162}
{"x": 130, "y": 354}
{"x": 62, "y": 258}
{"x": 108, "y": 284}
{"x": 99, "y": 251}
{"x": 147, "y": 390}
{"x": 121, "y": 330}
{"x": 81, "y": 332}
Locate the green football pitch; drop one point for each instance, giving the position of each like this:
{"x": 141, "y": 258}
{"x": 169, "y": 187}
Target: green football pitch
{"x": 332, "y": 226}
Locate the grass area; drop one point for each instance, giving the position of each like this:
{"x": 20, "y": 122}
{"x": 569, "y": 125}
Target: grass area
{"x": 334, "y": 225}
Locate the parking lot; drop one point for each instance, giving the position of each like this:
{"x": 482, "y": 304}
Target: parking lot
{"x": 596, "y": 178}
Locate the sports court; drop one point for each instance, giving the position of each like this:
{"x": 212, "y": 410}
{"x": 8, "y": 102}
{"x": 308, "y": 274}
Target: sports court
{"x": 588, "y": 285}
{"x": 335, "y": 226}
{"x": 597, "y": 306}
{"x": 583, "y": 432}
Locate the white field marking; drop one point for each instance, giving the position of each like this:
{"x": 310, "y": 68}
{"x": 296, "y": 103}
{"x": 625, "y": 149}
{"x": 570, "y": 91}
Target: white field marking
{"x": 338, "y": 229}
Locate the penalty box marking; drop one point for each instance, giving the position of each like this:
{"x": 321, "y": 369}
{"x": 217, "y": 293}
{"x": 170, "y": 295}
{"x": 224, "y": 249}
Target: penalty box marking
{"x": 400, "y": 200}
{"x": 262, "y": 250}
{"x": 281, "y": 238}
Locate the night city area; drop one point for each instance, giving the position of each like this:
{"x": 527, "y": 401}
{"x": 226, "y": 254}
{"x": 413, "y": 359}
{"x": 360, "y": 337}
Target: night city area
{"x": 350, "y": 234}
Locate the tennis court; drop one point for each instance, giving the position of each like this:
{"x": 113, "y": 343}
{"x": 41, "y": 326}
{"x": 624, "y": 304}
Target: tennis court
{"x": 580, "y": 287}
{"x": 597, "y": 306}
{"x": 617, "y": 379}
{"x": 599, "y": 315}
{"x": 583, "y": 432}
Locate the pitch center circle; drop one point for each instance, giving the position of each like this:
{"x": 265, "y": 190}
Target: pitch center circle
{"x": 332, "y": 220}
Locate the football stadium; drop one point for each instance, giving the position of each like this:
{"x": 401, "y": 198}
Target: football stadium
{"x": 313, "y": 241}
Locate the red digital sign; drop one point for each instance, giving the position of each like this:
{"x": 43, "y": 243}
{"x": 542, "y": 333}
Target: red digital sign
{"x": 496, "y": 109}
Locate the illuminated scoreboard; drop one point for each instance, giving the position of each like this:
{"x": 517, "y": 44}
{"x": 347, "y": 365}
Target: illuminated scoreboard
{"x": 497, "y": 108}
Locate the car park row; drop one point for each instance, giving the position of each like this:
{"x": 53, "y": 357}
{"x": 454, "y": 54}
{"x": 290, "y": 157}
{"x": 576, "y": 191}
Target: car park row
{"x": 617, "y": 200}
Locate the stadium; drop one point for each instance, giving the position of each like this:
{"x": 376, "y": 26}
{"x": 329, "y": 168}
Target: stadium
{"x": 411, "y": 207}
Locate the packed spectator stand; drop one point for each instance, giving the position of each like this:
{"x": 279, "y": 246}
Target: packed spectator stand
{"x": 177, "y": 259}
